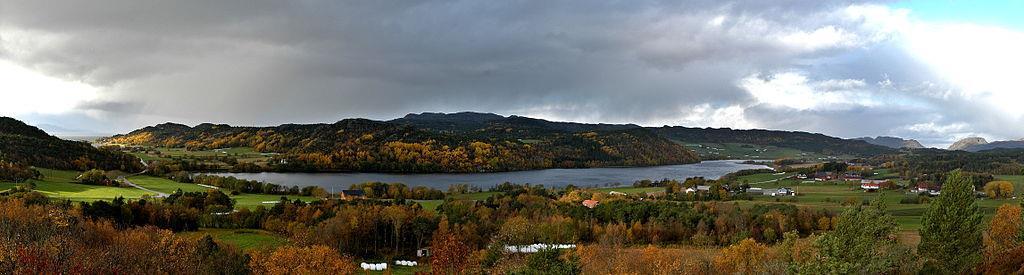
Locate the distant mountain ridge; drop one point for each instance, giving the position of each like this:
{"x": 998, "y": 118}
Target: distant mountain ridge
{"x": 482, "y": 123}
{"x": 28, "y": 145}
{"x": 1006, "y": 144}
{"x": 471, "y": 121}
{"x": 893, "y": 142}
{"x": 471, "y": 142}
{"x": 463, "y": 142}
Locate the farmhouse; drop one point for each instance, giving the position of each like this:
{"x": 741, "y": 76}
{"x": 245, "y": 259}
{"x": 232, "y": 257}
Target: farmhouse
{"x": 617, "y": 193}
{"x": 870, "y": 187}
{"x": 352, "y": 194}
{"x": 785, "y": 191}
{"x": 591, "y": 203}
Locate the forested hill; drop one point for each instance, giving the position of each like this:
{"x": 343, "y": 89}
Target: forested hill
{"x": 484, "y": 124}
{"x": 809, "y": 142}
{"x": 367, "y": 145}
{"x": 28, "y": 145}
{"x": 468, "y": 122}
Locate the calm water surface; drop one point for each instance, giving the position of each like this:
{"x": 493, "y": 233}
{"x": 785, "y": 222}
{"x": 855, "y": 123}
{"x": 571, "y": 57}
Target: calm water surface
{"x": 548, "y": 177}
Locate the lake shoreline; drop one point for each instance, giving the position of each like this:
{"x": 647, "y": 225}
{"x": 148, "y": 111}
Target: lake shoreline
{"x": 558, "y": 177}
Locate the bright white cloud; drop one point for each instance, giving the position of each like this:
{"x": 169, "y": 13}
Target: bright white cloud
{"x": 705, "y": 115}
{"x": 25, "y": 91}
{"x": 983, "y": 61}
{"x": 795, "y": 90}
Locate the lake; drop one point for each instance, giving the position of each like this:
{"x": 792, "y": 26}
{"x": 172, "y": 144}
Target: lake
{"x": 585, "y": 177}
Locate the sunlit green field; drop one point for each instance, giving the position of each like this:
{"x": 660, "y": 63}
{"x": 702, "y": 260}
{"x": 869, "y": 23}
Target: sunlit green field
{"x": 61, "y": 185}
{"x": 165, "y": 185}
{"x": 254, "y": 200}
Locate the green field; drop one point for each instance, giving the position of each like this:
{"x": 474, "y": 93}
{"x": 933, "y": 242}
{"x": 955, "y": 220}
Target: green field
{"x": 1018, "y": 182}
{"x": 61, "y": 184}
{"x": 165, "y": 185}
{"x": 477, "y": 196}
{"x": 245, "y": 239}
{"x": 838, "y": 196}
{"x": 254, "y": 200}
{"x": 762, "y": 178}
{"x": 430, "y": 205}
{"x": 750, "y": 151}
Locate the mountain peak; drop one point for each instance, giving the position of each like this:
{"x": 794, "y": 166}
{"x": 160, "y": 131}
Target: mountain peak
{"x": 967, "y": 142}
{"x": 893, "y": 142}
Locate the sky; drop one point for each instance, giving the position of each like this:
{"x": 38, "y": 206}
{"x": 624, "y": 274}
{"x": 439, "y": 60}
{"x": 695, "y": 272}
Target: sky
{"x": 935, "y": 71}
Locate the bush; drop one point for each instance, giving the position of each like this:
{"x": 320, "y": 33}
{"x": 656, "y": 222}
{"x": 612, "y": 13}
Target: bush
{"x": 13, "y": 172}
{"x": 96, "y": 177}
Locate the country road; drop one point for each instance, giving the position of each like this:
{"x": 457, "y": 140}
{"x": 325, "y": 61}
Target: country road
{"x": 126, "y": 181}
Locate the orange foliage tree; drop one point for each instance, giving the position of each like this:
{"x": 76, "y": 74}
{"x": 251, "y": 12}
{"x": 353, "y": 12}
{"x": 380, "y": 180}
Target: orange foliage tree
{"x": 302, "y": 260}
{"x": 449, "y": 254}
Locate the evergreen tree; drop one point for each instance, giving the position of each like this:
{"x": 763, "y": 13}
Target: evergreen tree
{"x": 951, "y": 228}
{"x": 863, "y": 242}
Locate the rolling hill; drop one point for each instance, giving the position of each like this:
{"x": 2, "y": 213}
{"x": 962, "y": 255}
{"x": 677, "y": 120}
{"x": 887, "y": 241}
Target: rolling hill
{"x": 472, "y": 142}
{"x": 465, "y": 143}
{"x": 803, "y": 141}
{"x": 28, "y": 145}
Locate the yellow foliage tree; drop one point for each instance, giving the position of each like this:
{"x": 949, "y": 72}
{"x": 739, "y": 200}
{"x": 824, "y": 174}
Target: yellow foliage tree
{"x": 999, "y": 189}
{"x": 746, "y": 257}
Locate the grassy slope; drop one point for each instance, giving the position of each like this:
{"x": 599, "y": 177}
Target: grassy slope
{"x": 61, "y": 184}
{"x": 165, "y": 185}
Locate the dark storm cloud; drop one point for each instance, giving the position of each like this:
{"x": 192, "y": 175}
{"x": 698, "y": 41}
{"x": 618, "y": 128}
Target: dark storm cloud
{"x": 270, "y": 62}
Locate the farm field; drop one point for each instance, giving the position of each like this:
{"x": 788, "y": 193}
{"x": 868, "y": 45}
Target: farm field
{"x": 1017, "y": 180}
{"x": 245, "y": 239}
{"x": 840, "y": 195}
{"x": 255, "y": 200}
{"x": 59, "y": 184}
{"x": 430, "y": 205}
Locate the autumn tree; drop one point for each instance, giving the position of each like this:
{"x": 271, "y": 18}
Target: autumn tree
{"x": 746, "y": 257}
{"x": 95, "y": 177}
{"x": 302, "y": 260}
{"x": 951, "y": 228}
{"x": 1004, "y": 253}
{"x": 449, "y": 253}
{"x": 550, "y": 261}
{"x": 999, "y": 189}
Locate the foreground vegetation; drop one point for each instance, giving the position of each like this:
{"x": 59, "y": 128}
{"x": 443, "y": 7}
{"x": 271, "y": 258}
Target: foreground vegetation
{"x": 622, "y": 234}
